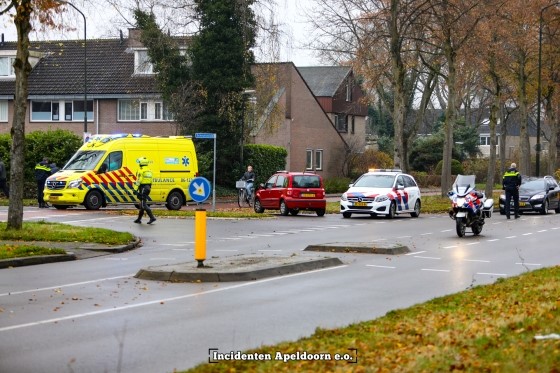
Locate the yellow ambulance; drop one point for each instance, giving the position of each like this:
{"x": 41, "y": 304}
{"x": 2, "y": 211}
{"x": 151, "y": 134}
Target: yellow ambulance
{"x": 103, "y": 172}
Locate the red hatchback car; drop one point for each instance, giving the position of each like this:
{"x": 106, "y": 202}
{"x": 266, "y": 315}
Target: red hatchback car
{"x": 291, "y": 192}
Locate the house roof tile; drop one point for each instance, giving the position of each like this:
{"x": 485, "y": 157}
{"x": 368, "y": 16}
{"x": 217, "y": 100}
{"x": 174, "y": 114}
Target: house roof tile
{"x": 324, "y": 80}
{"x": 110, "y": 69}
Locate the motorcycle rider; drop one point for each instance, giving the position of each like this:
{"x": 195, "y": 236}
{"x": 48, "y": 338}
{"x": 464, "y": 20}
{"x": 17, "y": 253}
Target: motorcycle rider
{"x": 510, "y": 183}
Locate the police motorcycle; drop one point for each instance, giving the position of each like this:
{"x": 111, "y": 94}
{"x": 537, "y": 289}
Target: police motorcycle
{"x": 469, "y": 207}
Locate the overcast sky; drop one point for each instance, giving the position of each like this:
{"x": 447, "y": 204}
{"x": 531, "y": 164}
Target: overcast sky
{"x": 100, "y": 20}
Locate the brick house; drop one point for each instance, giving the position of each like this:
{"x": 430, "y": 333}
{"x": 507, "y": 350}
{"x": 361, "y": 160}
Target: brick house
{"x": 314, "y": 112}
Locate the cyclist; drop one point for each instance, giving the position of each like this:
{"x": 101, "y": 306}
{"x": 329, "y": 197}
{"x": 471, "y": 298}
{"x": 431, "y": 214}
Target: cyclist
{"x": 249, "y": 178}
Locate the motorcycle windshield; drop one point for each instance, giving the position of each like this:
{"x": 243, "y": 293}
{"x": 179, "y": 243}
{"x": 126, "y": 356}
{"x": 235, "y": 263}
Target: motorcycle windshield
{"x": 464, "y": 184}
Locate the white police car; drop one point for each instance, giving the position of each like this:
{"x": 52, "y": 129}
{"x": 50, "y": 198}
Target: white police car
{"x": 385, "y": 192}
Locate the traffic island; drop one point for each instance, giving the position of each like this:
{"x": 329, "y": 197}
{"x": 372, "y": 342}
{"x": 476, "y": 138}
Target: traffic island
{"x": 237, "y": 268}
{"x": 361, "y": 247}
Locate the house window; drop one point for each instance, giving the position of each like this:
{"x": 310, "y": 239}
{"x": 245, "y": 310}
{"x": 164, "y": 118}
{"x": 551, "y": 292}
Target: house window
{"x": 3, "y": 111}
{"x": 142, "y": 64}
{"x": 55, "y": 111}
{"x": 309, "y": 160}
{"x": 68, "y": 111}
{"x": 135, "y": 110}
{"x": 143, "y": 110}
{"x": 7, "y": 66}
{"x": 341, "y": 122}
{"x": 41, "y": 110}
{"x": 485, "y": 140}
{"x": 78, "y": 112}
{"x": 319, "y": 159}
{"x": 157, "y": 111}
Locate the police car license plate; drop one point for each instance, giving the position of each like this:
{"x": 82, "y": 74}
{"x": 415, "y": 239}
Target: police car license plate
{"x": 308, "y": 194}
{"x": 360, "y": 203}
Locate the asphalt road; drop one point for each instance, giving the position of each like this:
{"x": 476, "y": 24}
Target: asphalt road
{"x": 94, "y": 316}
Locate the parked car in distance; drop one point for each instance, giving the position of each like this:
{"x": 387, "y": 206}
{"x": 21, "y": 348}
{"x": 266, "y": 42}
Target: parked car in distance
{"x": 385, "y": 192}
{"x": 291, "y": 192}
{"x": 538, "y": 194}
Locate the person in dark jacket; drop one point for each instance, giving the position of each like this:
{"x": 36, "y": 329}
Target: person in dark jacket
{"x": 510, "y": 183}
{"x": 3, "y": 180}
{"x": 249, "y": 177}
{"x": 42, "y": 172}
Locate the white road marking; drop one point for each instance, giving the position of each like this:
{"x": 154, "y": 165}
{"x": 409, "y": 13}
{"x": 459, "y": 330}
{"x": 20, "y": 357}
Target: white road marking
{"x": 376, "y": 266}
{"x": 163, "y": 300}
{"x": 527, "y": 234}
{"x": 476, "y": 260}
{"x": 229, "y": 238}
{"x": 543, "y": 230}
{"x": 426, "y": 257}
{"x": 492, "y": 240}
{"x": 435, "y": 270}
{"x": 426, "y": 234}
{"x": 66, "y": 285}
{"x": 450, "y": 247}
{"x": 530, "y": 264}
{"x": 472, "y": 243}
{"x": 446, "y": 230}
{"x": 511, "y": 236}
{"x": 492, "y": 274}
{"x": 416, "y": 252}
{"x": 405, "y": 237}
{"x": 263, "y": 235}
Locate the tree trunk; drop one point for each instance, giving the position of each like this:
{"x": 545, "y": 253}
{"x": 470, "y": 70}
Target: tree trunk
{"x": 22, "y": 69}
{"x": 450, "y": 118}
{"x": 398, "y": 87}
{"x": 524, "y": 146}
{"x": 552, "y": 119}
{"x": 494, "y": 110}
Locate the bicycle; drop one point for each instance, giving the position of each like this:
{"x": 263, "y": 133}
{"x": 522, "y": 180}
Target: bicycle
{"x": 242, "y": 197}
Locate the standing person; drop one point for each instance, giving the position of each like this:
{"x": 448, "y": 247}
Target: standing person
{"x": 510, "y": 183}
{"x": 144, "y": 183}
{"x": 3, "y": 180}
{"x": 249, "y": 176}
{"x": 42, "y": 172}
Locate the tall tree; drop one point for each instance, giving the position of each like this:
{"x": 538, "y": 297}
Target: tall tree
{"x": 23, "y": 13}
{"x": 221, "y": 58}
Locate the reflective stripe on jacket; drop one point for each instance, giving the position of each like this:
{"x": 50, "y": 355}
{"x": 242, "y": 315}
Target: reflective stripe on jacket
{"x": 144, "y": 177}
{"x": 511, "y": 179}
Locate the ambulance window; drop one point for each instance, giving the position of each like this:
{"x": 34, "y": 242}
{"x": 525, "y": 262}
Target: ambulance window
{"x": 84, "y": 160}
{"x": 114, "y": 160}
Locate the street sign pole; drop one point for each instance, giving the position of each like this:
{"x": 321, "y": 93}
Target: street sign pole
{"x": 203, "y": 135}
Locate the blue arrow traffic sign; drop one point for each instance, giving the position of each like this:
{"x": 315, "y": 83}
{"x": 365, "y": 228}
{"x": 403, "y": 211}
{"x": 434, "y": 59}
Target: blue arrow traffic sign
{"x": 199, "y": 189}
{"x": 203, "y": 135}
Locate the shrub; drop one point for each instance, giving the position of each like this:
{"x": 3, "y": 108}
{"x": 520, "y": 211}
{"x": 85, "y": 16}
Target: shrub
{"x": 456, "y": 167}
{"x": 336, "y": 185}
{"x": 360, "y": 163}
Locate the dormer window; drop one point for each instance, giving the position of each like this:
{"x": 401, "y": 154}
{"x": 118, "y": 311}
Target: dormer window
{"x": 142, "y": 64}
{"x": 7, "y": 67}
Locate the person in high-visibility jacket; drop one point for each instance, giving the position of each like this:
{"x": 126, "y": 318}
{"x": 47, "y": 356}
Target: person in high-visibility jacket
{"x": 144, "y": 184}
{"x": 510, "y": 183}
{"x": 42, "y": 173}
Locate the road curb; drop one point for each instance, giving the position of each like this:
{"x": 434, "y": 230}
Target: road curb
{"x": 32, "y": 260}
{"x": 236, "y": 269}
{"x": 360, "y": 247}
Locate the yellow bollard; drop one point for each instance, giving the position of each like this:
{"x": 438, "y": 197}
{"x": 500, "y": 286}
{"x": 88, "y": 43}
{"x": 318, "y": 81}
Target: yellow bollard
{"x": 200, "y": 236}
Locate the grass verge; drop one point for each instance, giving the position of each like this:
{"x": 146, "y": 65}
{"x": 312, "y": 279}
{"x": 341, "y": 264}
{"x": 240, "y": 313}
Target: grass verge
{"x": 490, "y": 328}
{"x": 10, "y": 251}
{"x": 56, "y": 232}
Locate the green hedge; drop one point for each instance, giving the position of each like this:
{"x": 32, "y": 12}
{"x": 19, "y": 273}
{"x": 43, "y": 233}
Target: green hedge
{"x": 265, "y": 159}
{"x": 58, "y": 145}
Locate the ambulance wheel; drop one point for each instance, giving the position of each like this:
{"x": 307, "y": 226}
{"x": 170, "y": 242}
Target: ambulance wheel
{"x": 94, "y": 200}
{"x": 174, "y": 201}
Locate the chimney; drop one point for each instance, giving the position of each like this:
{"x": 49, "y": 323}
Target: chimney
{"x": 134, "y": 38}
{"x": 122, "y": 38}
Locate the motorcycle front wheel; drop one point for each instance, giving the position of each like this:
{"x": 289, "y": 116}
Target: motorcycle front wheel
{"x": 460, "y": 225}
